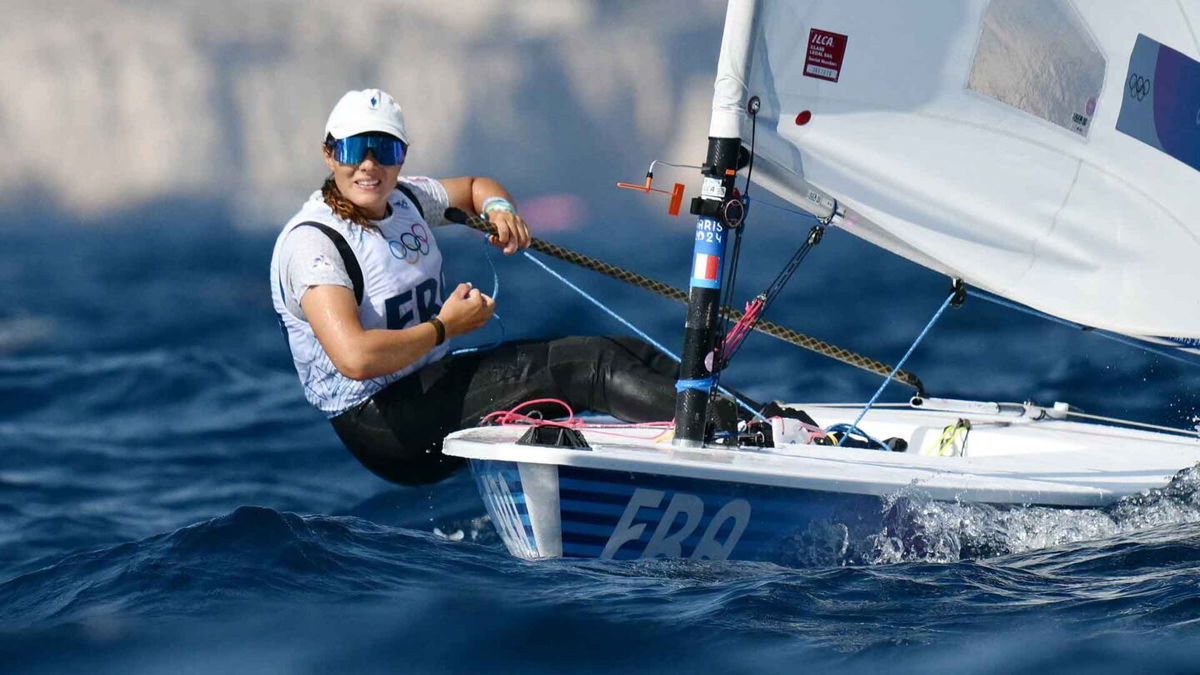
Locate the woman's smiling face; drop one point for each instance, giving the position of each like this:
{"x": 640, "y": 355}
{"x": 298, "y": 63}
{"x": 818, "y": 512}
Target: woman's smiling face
{"x": 366, "y": 184}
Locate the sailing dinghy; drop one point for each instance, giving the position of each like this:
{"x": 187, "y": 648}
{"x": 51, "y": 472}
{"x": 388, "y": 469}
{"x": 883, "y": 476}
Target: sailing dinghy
{"x": 1042, "y": 151}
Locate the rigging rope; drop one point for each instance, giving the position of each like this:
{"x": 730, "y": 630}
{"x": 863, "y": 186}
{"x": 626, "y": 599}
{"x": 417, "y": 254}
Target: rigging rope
{"x": 756, "y": 307}
{"x": 854, "y": 426}
{"x": 727, "y": 344}
{"x": 769, "y": 328}
{"x": 495, "y": 295}
{"x": 1115, "y": 337}
{"x": 1132, "y": 423}
{"x": 640, "y": 333}
{"x": 718, "y": 352}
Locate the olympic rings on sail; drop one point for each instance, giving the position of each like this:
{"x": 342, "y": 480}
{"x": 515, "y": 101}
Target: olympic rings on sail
{"x": 411, "y": 245}
{"x": 1139, "y": 86}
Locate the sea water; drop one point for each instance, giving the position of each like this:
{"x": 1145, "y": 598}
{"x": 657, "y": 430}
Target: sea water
{"x": 168, "y": 501}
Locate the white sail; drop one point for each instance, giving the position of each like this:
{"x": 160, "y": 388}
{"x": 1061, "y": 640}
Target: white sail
{"x": 1044, "y": 150}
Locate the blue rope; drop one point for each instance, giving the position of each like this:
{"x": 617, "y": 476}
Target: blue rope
{"x": 487, "y": 255}
{"x": 847, "y": 429}
{"x": 640, "y": 333}
{"x": 1115, "y": 337}
{"x": 898, "y": 366}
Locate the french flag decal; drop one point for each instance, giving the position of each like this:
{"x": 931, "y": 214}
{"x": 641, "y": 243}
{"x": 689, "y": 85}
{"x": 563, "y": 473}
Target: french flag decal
{"x": 706, "y": 267}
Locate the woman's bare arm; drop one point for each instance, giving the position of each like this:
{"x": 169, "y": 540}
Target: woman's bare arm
{"x": 470, "y": 192}
{"x": 363, "y": 354}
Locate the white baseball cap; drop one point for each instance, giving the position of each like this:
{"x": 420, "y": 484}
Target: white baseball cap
{"x": 363, "y": 111}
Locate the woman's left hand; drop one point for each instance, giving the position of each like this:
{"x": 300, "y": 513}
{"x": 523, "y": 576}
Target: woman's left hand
{"x": 511, "y": 231}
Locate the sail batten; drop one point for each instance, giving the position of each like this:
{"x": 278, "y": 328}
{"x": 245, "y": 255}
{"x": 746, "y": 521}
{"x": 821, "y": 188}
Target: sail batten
{"x": 1039, "y": 149}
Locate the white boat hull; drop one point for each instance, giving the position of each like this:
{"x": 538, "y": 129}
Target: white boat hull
{"x": 632, "y": 496}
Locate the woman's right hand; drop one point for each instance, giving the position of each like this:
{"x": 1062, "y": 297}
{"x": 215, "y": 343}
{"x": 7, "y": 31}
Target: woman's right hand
{"x": 466, "y": 310}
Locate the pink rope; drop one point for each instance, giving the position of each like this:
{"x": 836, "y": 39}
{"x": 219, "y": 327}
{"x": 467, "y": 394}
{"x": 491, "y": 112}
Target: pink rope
{"x": 513, "y": 417}
{"x": 742, "y": 328}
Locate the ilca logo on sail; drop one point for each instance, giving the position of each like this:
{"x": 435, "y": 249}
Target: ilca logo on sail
{"x": 1139, "y": 86}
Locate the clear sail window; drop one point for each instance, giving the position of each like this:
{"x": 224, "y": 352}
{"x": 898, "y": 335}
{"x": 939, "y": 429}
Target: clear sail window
{"x": 1038, "y": 56}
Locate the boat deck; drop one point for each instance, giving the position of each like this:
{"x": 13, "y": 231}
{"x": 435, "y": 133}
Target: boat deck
{"x": 1005, "y": 459}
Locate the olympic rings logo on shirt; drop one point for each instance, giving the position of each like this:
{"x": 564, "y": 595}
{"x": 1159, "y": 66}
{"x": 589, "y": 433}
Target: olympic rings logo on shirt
{"x": 1139, "y": 86}
{"x": 411, "y": 245}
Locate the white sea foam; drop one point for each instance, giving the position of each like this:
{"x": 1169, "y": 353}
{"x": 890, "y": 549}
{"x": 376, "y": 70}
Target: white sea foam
{"x": 917, "y": 528}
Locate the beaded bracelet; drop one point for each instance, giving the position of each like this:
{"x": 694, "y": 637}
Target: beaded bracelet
{"x": 497, "y": 204}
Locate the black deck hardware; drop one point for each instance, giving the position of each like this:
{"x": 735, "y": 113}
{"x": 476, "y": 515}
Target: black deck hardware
{"x": 959, "y": 289}
{"x": 554, "y": 436}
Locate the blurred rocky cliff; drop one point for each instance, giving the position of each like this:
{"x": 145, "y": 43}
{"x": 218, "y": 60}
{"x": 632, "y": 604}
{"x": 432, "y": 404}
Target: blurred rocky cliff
{"x": 105, "y": 104}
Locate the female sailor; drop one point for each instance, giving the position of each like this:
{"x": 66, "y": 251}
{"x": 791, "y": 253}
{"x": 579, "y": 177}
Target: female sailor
{"x": 356, "y": 278}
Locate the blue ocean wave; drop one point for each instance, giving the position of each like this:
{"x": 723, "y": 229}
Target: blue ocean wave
{"x": 282, "y": 575}
{"x": 167, "y": 496}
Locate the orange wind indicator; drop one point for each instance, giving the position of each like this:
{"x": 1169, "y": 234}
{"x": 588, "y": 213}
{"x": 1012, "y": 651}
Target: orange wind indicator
{"x": 676, "y": 199}
{"x": 676, "y": 192}
{"x": 643, "y": 188}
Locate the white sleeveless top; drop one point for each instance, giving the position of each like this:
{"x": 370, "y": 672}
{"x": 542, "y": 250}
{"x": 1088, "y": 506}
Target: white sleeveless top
{"x": 402, "y": 285}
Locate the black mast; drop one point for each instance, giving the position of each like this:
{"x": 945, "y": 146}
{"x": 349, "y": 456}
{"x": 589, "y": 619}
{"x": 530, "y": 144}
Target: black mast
{"x": 704, "y": 293}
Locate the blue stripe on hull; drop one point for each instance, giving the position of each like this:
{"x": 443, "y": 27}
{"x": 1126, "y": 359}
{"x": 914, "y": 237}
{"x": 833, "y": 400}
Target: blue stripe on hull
{"x": 622, "y": 515}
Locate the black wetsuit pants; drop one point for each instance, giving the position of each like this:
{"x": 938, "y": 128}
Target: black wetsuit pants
{"x": 397, "y": 433}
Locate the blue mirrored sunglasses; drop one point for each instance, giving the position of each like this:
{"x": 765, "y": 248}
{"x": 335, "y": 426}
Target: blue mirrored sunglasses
{"x": 388, "y": 150}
